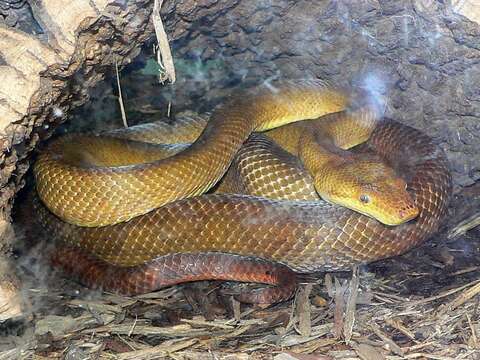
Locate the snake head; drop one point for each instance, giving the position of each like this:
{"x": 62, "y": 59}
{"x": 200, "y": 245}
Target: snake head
{"x": 369, "y": 187}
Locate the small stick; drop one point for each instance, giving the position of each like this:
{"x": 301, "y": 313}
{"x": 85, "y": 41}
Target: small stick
{"x": 166, "y": 61}
{"x": 351, "y": 306}
{"x": 130, "y": 332}
{"x": 392, "y": 345}
{"x": 460, "y": 299}
{"x": 338, "y": 314}
{"x": 120, "y": 97}
{"x": 474, "y": 332}
{"x": 466, "y": 225}
{"x": 304, "y": 310}
{"x": 397, "y": 324}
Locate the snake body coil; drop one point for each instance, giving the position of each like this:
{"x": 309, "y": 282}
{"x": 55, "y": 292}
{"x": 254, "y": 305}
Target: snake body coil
{"x": 234, "y": 237}
{"x": 93, "y": 195}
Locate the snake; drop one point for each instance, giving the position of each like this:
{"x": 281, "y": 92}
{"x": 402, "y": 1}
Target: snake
{"x": 135, "y": 227}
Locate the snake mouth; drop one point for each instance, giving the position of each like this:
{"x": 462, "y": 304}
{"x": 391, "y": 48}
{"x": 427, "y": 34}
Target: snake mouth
{"x": 391, "y": 217}
{"x": 408, "y": 214}
{"x": 402, "y": 218}
{"x": 395, "y": 217}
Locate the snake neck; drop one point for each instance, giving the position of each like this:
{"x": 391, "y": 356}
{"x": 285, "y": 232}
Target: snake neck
{"x": 318, "y": 154}
{"x": 343, "y": 129}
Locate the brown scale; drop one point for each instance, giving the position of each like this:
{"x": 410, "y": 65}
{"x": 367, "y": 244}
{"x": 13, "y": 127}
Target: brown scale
{"x": 305, "y": 236}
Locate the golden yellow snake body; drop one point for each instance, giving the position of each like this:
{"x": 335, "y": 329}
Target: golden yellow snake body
{"x": 107, "y": 195}
{"x": 307, "y": 235}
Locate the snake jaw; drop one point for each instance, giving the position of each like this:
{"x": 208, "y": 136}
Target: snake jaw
{"x": 403, "y": 212}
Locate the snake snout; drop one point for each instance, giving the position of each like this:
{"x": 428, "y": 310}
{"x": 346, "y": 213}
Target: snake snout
{"x": 408, "y": 212}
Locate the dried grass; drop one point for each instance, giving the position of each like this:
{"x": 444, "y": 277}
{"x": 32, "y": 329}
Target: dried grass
{"x": 423, "y": 305}
{"x": 365, "y": 317}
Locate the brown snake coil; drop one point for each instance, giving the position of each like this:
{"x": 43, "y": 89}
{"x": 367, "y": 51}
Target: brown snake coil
{"x": 242, "y": 237}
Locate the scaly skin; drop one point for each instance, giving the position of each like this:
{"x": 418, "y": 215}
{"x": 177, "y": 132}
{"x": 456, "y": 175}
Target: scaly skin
{"x": 99, "y": 195}
{"x": 359, "y": 182}
{"x": 178, "y": 268}
{"x": 305, "y": 236}
{"x": 210, "y": 231}
{"x": 262, "y": 168}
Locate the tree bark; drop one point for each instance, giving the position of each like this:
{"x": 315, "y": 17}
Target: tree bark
{"x": 43, "y": 76}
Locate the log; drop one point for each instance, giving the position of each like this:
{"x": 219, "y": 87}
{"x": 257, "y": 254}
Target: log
{"x": 423, "y": 55}
{"x": 44, "y": 76}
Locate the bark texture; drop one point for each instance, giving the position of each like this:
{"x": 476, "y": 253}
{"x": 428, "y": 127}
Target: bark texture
{"x": 44, "y": 75}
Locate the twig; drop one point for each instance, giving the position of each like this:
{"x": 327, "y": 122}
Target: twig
{"x": 120, "y": 97}
{"x": 205, "y": 323}
{"x": 164, "y": 55}
{"x": 389, "y": 343}
{"x": 397, "y": 324}
{"x": 338, "y": 314}
{"x": 351, "y": 306}
{"x": 130, "y": 332}
{"x": 442, "y": 294}
{"x": 460, "y": 299}
{"x": 157, "y": 351}
{"x": 466, "y": 225}
{"x": 473, "y": 331}
{"x": 304, "y": 310}
{"x": 427, "y": 356}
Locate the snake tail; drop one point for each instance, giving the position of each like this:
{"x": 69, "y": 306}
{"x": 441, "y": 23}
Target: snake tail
{"x": 179, "y": 268}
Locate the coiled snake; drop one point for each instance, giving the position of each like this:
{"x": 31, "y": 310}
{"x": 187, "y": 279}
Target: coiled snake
{"x": 147, "y": 225}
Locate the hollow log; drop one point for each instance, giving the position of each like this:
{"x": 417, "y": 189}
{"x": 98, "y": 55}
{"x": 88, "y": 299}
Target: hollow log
{"x": 43, "y": 76}
{"x": 423, "y": 55}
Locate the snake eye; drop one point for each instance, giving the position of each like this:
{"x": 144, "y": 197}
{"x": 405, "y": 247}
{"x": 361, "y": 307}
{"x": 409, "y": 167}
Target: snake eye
{"x": 364, "y": 198}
